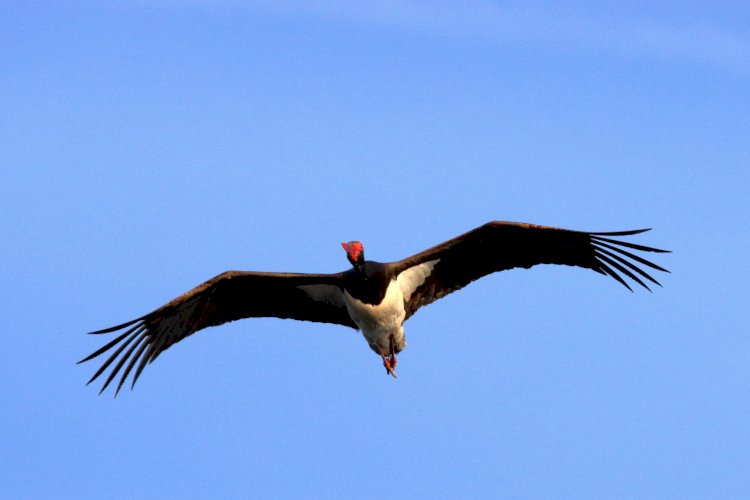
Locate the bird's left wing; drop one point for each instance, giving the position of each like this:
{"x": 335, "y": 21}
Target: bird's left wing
{"x": 227, "y": 297}
{"x": 498, "y": 246}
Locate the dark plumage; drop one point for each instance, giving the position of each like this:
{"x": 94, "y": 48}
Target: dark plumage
{"x": 371, "y": 296}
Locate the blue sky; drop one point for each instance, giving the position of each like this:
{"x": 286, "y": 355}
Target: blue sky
{"x": 147, "y": 146}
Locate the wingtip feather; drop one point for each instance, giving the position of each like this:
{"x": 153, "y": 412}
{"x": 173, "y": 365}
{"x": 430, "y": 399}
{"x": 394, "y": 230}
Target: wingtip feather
{"x": 116, "y": 327}
{"x": 629, "y": 232}
{"x": 612, "y": 252}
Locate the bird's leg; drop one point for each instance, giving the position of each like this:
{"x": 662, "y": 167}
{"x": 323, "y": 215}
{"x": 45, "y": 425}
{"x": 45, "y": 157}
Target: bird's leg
{"x": 393, "y": 353}
{"x": 389, "y": 361}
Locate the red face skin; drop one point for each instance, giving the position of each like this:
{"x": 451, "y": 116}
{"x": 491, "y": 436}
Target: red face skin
{"x": 353, "y": 250}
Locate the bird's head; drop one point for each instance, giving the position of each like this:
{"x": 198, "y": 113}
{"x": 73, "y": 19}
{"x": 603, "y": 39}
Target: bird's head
{"x": 355, "y": 252}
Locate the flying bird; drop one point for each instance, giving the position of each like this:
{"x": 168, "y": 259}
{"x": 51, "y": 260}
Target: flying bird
{"x": 372, "y": 297}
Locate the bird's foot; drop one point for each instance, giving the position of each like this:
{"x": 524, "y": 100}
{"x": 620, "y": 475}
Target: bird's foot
{"x": 390, "y": 364}
{"x": 390, "y": 360}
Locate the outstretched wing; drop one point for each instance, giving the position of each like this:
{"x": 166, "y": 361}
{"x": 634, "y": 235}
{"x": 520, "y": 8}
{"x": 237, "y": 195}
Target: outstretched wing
{"x": 497, "y": 246}
{"x": 227, "y": 297}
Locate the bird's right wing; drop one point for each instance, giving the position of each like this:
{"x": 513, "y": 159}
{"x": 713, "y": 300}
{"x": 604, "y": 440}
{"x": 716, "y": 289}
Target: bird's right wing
{"x": 498, "y": 246}
{"x": 227, "y": 297}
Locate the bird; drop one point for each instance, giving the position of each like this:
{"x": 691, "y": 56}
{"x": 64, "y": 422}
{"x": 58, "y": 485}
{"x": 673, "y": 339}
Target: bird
{"x": 373, "y": 297}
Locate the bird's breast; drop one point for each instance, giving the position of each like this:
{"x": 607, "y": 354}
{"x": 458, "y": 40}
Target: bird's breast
{"x": 379, "y": 321}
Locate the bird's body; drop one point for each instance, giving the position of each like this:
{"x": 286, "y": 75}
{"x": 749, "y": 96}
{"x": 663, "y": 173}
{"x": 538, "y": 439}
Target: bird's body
{"x": 381, "y": 324}
{"x": 373, "y": 297}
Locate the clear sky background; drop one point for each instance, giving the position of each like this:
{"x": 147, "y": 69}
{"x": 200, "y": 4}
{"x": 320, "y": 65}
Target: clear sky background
{"x": 147, "y": 146}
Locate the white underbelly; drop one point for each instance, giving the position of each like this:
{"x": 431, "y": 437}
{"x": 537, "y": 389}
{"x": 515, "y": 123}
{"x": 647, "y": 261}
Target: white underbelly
{"x": 378, "y": 322}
